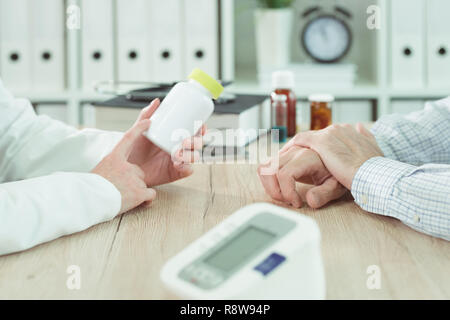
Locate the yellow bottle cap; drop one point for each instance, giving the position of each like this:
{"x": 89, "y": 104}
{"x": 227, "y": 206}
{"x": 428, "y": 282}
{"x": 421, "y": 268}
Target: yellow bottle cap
{"x": 207, "y": 81}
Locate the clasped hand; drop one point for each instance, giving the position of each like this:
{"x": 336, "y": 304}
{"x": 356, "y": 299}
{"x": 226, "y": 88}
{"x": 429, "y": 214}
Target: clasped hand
{"x": 327, "y": 159}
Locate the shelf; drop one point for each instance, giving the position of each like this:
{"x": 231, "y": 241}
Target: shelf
{"x": 360, "y": 91}
{"x": 425, "y": 93}
{"x": 61, "y": 96}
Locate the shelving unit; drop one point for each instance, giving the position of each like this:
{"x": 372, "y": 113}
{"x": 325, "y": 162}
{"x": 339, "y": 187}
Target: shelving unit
{"x": 374, "y": 83}
{"x": 73, "y": 97}
{"x": 371, "y": 52}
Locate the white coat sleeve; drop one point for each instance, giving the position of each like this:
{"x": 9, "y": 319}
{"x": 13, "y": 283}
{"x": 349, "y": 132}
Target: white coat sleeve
{"x": 41, "y": 209}
{"x": 46, "y": 190}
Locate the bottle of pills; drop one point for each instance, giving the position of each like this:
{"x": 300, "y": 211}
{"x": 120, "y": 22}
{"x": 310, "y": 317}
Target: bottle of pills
{"x": 283, "y": 84}
{"x": 183, "y": 111}
{"x": 279, "y": 111}
{"x": 321, "y": 105}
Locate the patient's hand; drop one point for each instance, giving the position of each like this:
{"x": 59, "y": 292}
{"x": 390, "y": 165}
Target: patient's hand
{"x": 298, "y": 164}
{"x": 342, "y": 148}
{"x": 158, "y": 165}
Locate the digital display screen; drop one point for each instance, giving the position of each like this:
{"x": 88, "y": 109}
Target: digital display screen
{"x": 239, "y": 249}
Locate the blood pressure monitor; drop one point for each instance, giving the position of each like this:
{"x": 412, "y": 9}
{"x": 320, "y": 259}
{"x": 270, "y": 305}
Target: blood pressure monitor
{"x": 260, "y": 252}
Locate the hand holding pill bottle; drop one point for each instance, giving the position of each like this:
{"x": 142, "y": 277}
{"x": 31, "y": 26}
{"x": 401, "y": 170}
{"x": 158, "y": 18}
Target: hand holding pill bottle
{"x": 184, "y": 110}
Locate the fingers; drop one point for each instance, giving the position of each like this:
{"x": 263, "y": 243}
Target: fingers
{"x": 202, "y": 130}
{"x": 330, "y": 190}
{"x": 303, "y": 139}
{"x": 145, "y": 195}
{"x": 148, "y": 195}
{"x": 271, "y": 186}
{"x": 184, "y": 156}
{"x": 276, "y": 182}
{"x": 125, "y": 146}
{"x": 287, "y": 186}
{"x": 189, "y": 152}
{"x": 148, "y": 111}
{"x": 193, "y": 143}
{"x": 184, "y": 170}
{"x": 300, "y": 164}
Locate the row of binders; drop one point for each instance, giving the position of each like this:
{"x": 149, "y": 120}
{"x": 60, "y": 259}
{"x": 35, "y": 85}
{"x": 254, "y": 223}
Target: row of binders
{"x": 32, "y": 44}
{"x": 125, "y": 40}
{"x": 420, "y": 43}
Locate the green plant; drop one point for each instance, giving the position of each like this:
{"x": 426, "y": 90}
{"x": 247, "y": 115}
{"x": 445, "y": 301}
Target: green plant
{"x": 275, "y": 4}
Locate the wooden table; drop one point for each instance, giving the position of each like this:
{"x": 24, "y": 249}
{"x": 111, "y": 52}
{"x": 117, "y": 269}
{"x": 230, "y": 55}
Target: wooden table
{"x": 121, "y": 259}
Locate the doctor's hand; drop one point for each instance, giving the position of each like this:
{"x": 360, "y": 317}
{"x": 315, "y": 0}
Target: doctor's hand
{"x": 342, "y": 148}
{"x": 128, "y": 178}
{"x": 158, "y": 165}
{"x": 298, "y": 164}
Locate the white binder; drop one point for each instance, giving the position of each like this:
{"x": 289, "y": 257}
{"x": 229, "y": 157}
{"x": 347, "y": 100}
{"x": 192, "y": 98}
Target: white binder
{"x": 438, "y": 43}
{"x": 407, "y": 32}
{"x": 47, "y": 40}
{"x": 133, "y": 40}
{"x": 15, "y": 50}
{"x": 166, "y": 38}
{"x": 97, "y": 42}
{"x": 201, "y": 35}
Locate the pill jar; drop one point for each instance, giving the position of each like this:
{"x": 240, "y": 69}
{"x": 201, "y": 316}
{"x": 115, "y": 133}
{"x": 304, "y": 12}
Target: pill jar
{"x": 321, "y": 106}
{"x": 279, "y": 117}
{"x": 183, "y": 111}
{"x": 283, "y": 83}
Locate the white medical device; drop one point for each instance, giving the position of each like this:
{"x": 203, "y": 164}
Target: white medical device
{"x": 260, "y": 252}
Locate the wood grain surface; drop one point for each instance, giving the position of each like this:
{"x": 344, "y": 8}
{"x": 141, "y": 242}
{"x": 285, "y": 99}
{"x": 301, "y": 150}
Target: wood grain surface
{"x": 122, "y": 258}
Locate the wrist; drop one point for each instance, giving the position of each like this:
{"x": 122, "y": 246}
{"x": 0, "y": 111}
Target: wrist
{"x": 111, "y": 189}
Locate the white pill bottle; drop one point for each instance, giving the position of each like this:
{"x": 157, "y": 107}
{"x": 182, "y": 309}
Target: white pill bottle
{"x": 183, "y": 111}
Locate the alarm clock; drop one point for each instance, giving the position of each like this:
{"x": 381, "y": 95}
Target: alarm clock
{"x": 326, "y": 37}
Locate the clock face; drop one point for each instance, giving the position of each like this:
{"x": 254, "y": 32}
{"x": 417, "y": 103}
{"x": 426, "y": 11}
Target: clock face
{"x": 326, "y": 38}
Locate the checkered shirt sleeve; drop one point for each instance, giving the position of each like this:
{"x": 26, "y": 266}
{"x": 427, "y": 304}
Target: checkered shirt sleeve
{"x": 412, "y": 182}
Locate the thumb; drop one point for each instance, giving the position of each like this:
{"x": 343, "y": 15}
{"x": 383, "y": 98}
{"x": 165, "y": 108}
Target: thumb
{"x": 330, "y": 190}
{"x": 148, "y": 111}
{"x": 302, "y": 139}
{"x": 148, "y": 195}
{"x": 125, "y": 146}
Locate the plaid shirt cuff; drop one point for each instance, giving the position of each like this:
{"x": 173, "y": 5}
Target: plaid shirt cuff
{"x": 374, "y": 182}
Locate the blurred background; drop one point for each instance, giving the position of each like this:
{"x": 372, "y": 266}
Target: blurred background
{"x": 374, "y": 57}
